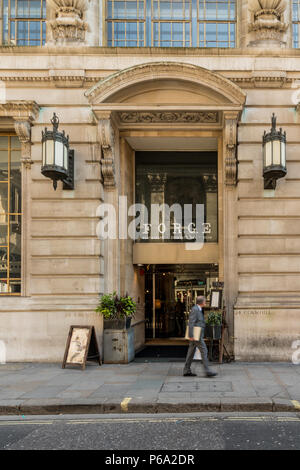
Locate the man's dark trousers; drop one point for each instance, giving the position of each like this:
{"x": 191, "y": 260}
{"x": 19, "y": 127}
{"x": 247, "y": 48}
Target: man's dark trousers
{"x": 191, "y": 352}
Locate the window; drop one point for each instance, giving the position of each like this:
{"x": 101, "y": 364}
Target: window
{"x": 10, "y": 215}
{"x": 296, "y": 22}
{"x": 24, "y": 22}
{"x": 217, "y": 23}
{"x": 176, "y": 23}
{"x": 176, "y": 179}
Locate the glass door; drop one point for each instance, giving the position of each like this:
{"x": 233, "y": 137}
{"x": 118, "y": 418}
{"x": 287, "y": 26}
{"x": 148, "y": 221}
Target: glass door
{"x": 170, "y": 293}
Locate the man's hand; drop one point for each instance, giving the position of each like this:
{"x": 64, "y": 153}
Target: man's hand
{"x": 192, "y": 339}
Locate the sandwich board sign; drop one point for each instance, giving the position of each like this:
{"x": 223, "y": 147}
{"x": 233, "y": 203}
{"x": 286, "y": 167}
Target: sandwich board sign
{"x": 81, "y": 346}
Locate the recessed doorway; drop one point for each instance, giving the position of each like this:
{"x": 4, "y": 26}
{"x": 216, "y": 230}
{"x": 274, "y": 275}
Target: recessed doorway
{"x": 170, "y": 293}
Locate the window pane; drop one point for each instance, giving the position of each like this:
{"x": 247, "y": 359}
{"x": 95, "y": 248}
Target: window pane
{"x": 3, "y": 142}
{"x": 15, "y": 286}
{"x": 22, "y": 33}
{"x": 15, "y": 249}
{"x": 15, "y": 142}
{"x": 12, "y": 8}
{"x": 23, "y": 9}
{"x": 3, "y": 200}
{"x": 34, "y": 33}
{"x": 296, "y": 19}
{"x": 3, "y": 264}
{"x": 3, "y": 165}
{"x": 35, "y": 9}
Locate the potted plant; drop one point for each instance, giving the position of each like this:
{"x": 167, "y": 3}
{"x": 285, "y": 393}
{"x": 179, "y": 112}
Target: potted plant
{"x": 118, "y": 337}
{"x": 117, "y": 310}
{"x": 213, "y": 328}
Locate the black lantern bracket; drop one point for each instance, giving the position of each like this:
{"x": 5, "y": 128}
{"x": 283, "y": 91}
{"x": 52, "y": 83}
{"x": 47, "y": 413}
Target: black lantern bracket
{"x": 58, "y": 158}
{"x": 274, "y": 145}
{"x": 68, "y": 183}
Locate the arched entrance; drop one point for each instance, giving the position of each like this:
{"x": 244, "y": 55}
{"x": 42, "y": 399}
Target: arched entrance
{"x": 168, "y": 108}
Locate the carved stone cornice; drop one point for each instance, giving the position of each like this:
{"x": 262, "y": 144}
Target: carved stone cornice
{"x": 230, "y": 147}
{"x": 106, "y": 88}
{"x": 69, "y": 26}
{"x": 270, "y": 79}
{"x": 106, "y": 138}
{"x": 20, "y": 110}
{"x": 209, "y": 117}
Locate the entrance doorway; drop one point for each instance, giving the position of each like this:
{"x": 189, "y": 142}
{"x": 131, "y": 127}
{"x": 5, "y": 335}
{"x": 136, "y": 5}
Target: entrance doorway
{"x": 170, "y": 292}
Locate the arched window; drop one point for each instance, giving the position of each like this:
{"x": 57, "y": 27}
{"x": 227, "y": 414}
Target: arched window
{"x": 24, "y": 22}
{"x": 176, "y": 23}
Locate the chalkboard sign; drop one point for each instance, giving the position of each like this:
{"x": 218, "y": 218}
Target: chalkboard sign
{"x": 81, "y": 346}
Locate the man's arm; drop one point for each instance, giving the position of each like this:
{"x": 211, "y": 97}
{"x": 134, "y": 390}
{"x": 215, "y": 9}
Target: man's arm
{"x": 192, "y": 321}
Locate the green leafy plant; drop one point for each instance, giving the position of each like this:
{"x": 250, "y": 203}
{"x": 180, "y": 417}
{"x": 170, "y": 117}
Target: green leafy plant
{"x": 113, "y": 306}
{"x": 214, "y": 319}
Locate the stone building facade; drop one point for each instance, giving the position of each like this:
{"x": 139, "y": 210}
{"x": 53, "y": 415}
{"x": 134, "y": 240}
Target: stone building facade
{"x": 120, "y": 91}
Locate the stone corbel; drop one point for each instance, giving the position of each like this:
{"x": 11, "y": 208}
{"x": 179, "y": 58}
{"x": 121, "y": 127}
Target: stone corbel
{"x": 107, "y": 141}
{"x": 23, "y": 113}
{"x": 230, "y": 147}
{"x": 23, "y": 131}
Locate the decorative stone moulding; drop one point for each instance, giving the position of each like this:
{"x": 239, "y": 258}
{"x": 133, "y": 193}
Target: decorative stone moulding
{"x": 267, "y": 26}
{"x": 209, "y": 117}
{"x": 69, "y": 26}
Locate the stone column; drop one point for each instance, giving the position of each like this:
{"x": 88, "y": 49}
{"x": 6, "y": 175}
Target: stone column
{"x": 230, "y": 215}
{"x": 109, "y": 146}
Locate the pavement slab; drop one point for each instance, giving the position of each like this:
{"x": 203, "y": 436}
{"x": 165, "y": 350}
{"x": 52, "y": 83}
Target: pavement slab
{"x": 148, "y": 387}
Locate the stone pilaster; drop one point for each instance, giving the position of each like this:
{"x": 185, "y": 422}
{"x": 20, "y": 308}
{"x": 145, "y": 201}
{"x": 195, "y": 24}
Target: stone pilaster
{"x": 24, "y": 113}
{"x": 230, "y": 146}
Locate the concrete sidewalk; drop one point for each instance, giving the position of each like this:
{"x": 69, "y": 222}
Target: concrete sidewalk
{"x": 147, "y": 387}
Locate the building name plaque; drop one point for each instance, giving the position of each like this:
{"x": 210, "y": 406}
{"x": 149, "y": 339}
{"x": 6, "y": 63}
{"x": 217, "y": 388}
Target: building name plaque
{"x": 256, "y": 312}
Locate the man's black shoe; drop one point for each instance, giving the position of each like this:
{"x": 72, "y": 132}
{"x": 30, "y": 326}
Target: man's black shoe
{"x": 211, "y": 374}
{"x": 189, "y": 374}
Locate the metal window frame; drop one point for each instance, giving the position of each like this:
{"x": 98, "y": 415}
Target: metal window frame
{"x": 153, "y": 21}
{"x": 217, "y": 21}
{"x": 9, "y": 214}
{"x": 295, "y": 23}
{"x": 41, "y": 20}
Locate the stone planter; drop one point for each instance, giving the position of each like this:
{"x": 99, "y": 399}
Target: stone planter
{"x": 213, "y": 331}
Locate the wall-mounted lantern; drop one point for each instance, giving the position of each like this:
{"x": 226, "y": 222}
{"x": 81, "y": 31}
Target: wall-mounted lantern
{"x": 58, "y": 159}
{"x": 274, "y": 145}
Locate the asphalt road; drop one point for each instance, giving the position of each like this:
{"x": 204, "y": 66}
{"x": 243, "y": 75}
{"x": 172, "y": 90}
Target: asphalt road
{"x": 237, "y": 431}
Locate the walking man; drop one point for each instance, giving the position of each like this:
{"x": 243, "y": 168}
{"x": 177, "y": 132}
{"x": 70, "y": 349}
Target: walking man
{"x": 197, "y": 319}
